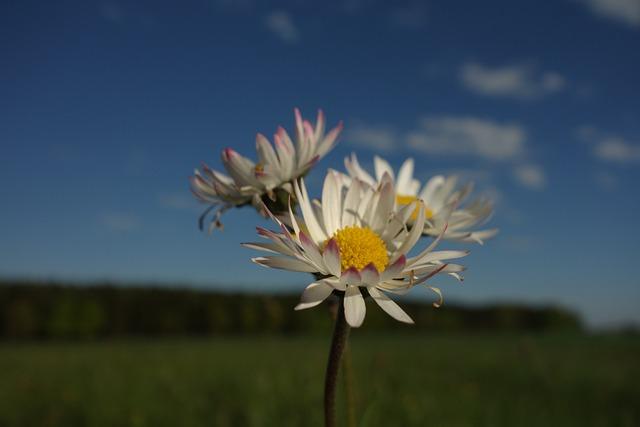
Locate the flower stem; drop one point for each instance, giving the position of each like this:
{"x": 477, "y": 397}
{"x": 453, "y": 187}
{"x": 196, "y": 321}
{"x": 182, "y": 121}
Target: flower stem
{"x": 347, "y": 379}
{"x": 338, "y": 342}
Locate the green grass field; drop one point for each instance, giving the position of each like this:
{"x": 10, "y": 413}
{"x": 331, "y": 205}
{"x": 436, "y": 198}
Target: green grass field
{"x": 406, "y": 380}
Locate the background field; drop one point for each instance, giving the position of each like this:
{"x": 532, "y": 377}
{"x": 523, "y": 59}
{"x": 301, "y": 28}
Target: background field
{"x": 416, "y": 379}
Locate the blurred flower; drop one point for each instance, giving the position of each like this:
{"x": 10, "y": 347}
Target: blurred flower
{"x": 354, "y": 240}
{"x": 437, "y": 194}
{"x": 267, "y": 182}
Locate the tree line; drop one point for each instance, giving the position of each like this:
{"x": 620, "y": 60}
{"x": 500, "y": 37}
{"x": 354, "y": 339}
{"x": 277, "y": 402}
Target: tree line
{"x": 58, "y": 311}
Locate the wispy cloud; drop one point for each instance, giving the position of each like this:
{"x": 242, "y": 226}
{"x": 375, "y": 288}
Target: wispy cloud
{"x": 619, "y": 150}
{"x": 372, "y": 137}
{"x": 608, "y": 147}
{"x": 623, "y": 11}
{"x": 119, "y": 222}
{"x": 521, "y": 243}
{"x": 530, "y": 176}
{"x": 522, "y": 81}
{"x": 281, "y": 24}
{"x": 468, "y": 136}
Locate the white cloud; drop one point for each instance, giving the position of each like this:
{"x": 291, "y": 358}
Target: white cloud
{"x": 521, "y": 81}
{"x": 281, "y": 24}
{"x": 624, "y": 11}
{"x": 468, "y": 136}
{"x": 120, "y": 222}
{"x": 608, "y": 147}
{"x": 372, "y": 137}
{"x": 614, "y": 149}
{"x": 530, "y": 176}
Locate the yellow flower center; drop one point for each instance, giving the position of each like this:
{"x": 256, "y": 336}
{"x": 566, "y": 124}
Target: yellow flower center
{"x": 406, "y": 200}
{"x": 259, "y": 169}
{"x": 360, "y": 246}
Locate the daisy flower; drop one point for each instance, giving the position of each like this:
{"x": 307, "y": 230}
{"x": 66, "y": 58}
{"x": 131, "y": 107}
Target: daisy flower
{"x": 353, "y": 242}
{"x": 438, "y": 193}
{"x": 269, "y": 180}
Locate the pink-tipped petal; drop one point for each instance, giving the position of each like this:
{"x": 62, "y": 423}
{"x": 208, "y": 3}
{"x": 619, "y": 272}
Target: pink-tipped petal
{"x": 319, "y": 131}
{"x": 284, "y": 263}
{"x": 331, "y": 257}
{"x": 351, "y": 276}
{"x": 308, "y": 130}
{"x": 370, "y": 275}
{"x": 311, "y": 251}
{"x": 395, "y": 270}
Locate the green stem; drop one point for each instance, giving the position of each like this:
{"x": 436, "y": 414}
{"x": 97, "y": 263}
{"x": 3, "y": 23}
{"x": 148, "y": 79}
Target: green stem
{"x": 347, "y": 378}
{"x": 338, "y": 343}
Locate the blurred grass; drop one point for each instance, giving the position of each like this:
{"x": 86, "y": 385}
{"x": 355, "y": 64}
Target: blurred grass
{"x": 400, "y": 380}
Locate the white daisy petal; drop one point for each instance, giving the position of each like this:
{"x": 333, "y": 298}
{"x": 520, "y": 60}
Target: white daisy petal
{"x": 369, "y": 275}
{"x": 354, "y": 306}
{"x": 481, "y": 236}
{"x": 317, "y": 233}
{"x": 331, "y": 256}
{"x": 351, "y": 200}
{"x": 320, "y": 124}
{"x": 389, "y": 306}
{"x": 415, "y": 233}
{"x": 285, "y": 246}
{"x": 381, "y": 166}
{"x": 284, "y": 263}
{"x": 239, "y": 168}
{"x": 413, "y": 188}
{"x": 395, "y": 269}
{"x": 312, "y": 251}
{"x": 440, "y": 301}
{"x": 405, "y": 178}
{"x": 364, "y": 204}
{"x": 427, "y": 269}
{"x": 436, "y": 256}
{"x": 384, "y": 208}
{"x": 331, "y": 203}
{"x": 263, "y": 246}
{"x": 286, "y": 154}
{"x": 266, "y": 153}
{"x": 329, "y": 141}
{"x": 351, "y": 276}
{"x": 314, "y": 294}
{"x": 355, "y": 170}
{"x": 430, "y": 188}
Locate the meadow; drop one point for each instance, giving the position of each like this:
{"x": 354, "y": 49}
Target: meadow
{"x": 404, "y": 379}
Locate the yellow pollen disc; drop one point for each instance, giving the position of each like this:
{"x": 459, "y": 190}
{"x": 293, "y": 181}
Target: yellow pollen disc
{"x": 360, "y": 246}
{"x": 259, "y": 169}
{"x": 406, "y": 200}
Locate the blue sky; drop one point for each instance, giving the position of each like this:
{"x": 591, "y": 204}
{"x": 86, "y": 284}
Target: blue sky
{"x": 107, "y": 107}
